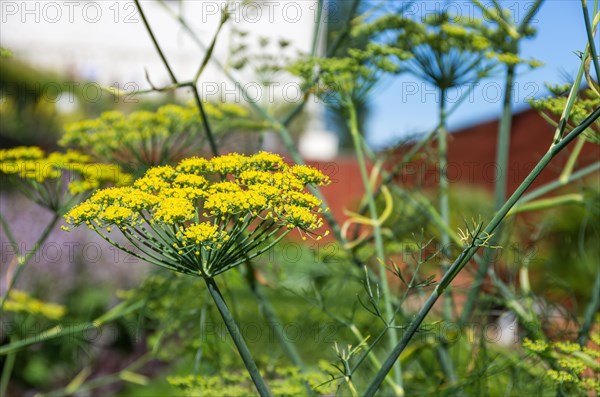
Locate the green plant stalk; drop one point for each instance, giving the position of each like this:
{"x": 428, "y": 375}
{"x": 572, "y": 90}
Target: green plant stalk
{"x": 155, "y": 42}
{"x": 502, "y": 153}
{"x": 472, "y": 249}
{"x": 99, "y": 381}
{"x": 568, "y": 169}
{"x": 591, "y": 312}
{"x": 24, "y": 260}
{"x": 269, "y": 313}
{"x": 564, "y": 118}
{"x": 9, "y": 363}
{"x": 389, "y": 311}
{"x": 207, "y": 128}
{"x": 388, "y": 177}
{"x": 547, "y": 188}
{"x": 236, "y": 335}
{"x": 590, "y": 36}
{"x": 59, "y": 331}
{"x": 542, "y": 204}
{"x": 442, "y": 138}
{"x": 174, "y": 80}
{"x": 360, "y": 339}
{"x": 279, "y": 127}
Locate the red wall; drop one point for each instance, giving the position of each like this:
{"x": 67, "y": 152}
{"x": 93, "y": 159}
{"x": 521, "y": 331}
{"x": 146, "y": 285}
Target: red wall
{"x": 471, "y": 161}
{"x": 472, "y": 155}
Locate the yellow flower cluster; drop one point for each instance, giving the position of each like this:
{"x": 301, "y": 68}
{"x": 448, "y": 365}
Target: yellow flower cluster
{"x": 206, "y": 215}
{"x": 20, "y": 301}
{"x": 33, "y": 167}
{"x": 576, "y": 366}
{"x": 562, "y": 376}
{"x": 537, "y": 346}
{"x": 204, "y": 233}
{"x": 146, "y": 138}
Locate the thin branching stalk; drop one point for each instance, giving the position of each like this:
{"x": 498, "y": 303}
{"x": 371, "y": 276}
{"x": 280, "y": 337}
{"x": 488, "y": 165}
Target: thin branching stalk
{"x": 60, "y": 331}
{"x": 502, "y": 153}
{"x": 591, "y": 312}
{"x": 442, "y": 141}
{"x": 155, "y": 42}
{"x": 590, "y": 35}
{"x": 269, "y": 313}
{"x": 9, "y": 363}
{"x": 558, "y": 183}
{"x": 472, "y": 249}
{"x": 379, "y": 249}
{"x": 174, "y": 80}
{"x": 236, "y": 335}
{"x": 24, "y": 260}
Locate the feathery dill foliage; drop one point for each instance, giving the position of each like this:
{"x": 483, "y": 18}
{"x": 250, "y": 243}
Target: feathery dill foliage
{"x": 193, "y": 218}
{"x": 585, "y": 103}
{"x": 57, "y": 179}
{"x": 145, "y": 138}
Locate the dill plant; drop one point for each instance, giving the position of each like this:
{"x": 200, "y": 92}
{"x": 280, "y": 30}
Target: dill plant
{"x": 55, "y": 181}
{"x": 206, "y": 216}
{"x": 144, "y": 138}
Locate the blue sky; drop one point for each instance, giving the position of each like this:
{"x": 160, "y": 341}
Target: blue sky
{"x": 404, "y": 106}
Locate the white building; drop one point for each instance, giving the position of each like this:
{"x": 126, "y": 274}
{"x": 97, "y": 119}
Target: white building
{"x": 106, "y": 42}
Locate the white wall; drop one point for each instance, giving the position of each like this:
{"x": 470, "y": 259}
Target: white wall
{"x": 105, "y": 41}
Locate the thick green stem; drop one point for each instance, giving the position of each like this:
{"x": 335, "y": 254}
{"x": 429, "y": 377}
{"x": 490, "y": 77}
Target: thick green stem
{"x": 236, "y": 335}
{"x": 590, "y": 312}
{"x": 590, "y": 34}
{"x": 9, "y": 363}
{"x": 472, "y": 249}
{"x": 59, "y": 331}
{"x": 269, "y": 313}
{"x": 547, "y": 188}
{"x": 502, "y": 152}
{"x": 568, "y": 169}
{"x": 442, "y": 136}
{"x": 379, "y": 249}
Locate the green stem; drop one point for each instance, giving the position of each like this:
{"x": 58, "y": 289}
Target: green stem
{"x": 442, "y": 134}
{"x": 502, "y": 153}
{"x": 9, "y": 364}
{"x": 472, "y": 249}
{"x": 210, "y": 49}
{"x": 59, "y": 331}
{"x": 568, "y": 169}
{"x": 155, "y": 42}
{"x": 547, "y": 188}
{"x": 590, "y": 312}
{"x": 269, "y": 313}
{"x": 590, "y": 35}
{"x": 564, "y": 118}
{"x": 236, "y": 335}
{"x": 207, "y": 128}
{"x": 24, "y": 260}
{"x": 389, "y": 312}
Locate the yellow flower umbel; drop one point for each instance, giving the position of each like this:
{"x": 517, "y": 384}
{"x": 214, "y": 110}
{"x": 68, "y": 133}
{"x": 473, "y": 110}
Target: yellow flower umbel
{"x": 143, "y": 139}
{"x": 57, "y": 179}
{"x": 204, "y": 217}
{"x": 20, "y": 301}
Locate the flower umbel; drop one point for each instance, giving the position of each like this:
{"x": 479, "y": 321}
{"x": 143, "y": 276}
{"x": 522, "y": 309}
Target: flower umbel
{"x": 53, "y": 180}
{"x": 204, "y": 217}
